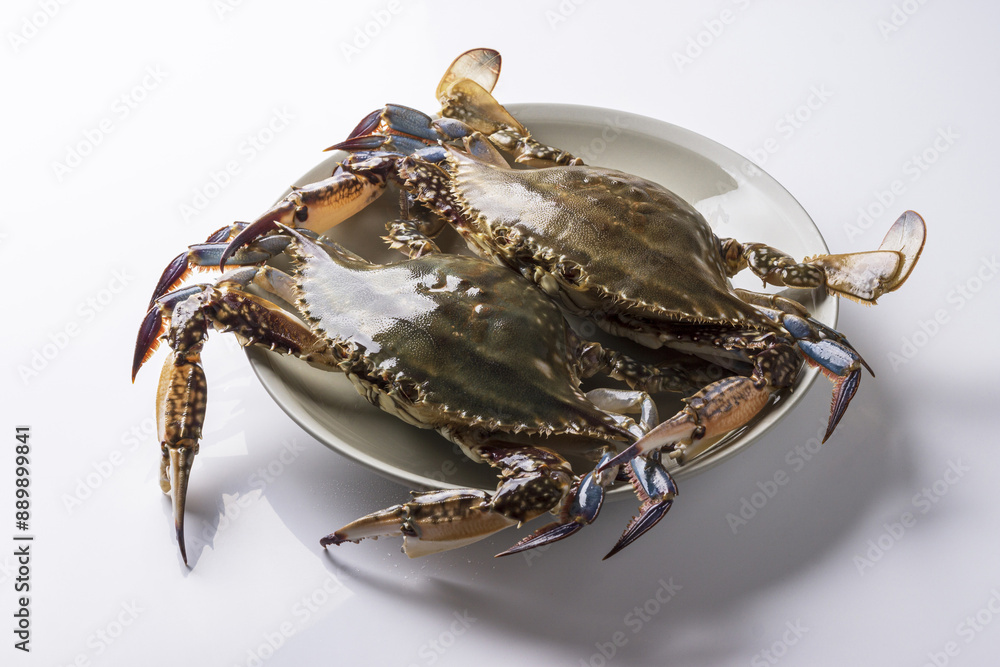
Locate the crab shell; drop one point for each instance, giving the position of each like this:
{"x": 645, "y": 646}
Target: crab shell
{"x": 628, "y": 248}
{"x": 410, "y": 342}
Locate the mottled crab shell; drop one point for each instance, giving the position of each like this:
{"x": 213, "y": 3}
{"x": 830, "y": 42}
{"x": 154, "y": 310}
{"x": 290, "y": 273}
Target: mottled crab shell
{"x": 614, "y": 242}
{"x": 448, "y": 341}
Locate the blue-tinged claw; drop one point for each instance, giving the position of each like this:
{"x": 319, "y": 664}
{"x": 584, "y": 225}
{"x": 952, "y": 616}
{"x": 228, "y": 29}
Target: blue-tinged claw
{"x": 652, "y": 478}
{"x": 393, "y": 129}
{"x": 620, "y": 458}
{"x": 545, "y": 535}
{"x": 656, "y": 489}
{"x": 409, "y": 121}
{"x": 393, "y": 144}
{"x": 452, "y": 128}
{"x": 584, "y": 504}
{"x": 843, "y": 366}
{"x": 587, "y": 499}
{"x": 844, "y": 389}
{"x": 207, "y": 254}
{"x": 432, "y": 154}
{"x": 152, "y": 326}
{"x": 367, "y": 125}
{"x": 366, "y": 143}
{"x": 648, "y": 517}
{"x": 831, "y": 356}
{"x": 405, "y": 145}
{"x": 263, "y": 225}
{"x": 814, "y": 332}
{"x": 800, "y": 327}
{"x": 176, "y": 270}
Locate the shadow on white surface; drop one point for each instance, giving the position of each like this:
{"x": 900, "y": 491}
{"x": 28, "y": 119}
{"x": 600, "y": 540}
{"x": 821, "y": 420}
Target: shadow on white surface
{"x": 565, "y": 595}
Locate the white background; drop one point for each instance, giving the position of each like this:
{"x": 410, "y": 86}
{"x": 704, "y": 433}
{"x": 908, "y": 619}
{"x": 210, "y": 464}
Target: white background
{"x": 804, "y": 579}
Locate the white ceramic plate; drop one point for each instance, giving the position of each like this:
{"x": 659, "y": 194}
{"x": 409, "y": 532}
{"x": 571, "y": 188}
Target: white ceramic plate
{"x": 736, "y": 197}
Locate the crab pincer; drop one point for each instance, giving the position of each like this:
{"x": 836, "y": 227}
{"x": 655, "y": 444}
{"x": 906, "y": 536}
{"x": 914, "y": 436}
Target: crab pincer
{"x": 656, "y": 489}
{"x": 580, "y": 508}
{"x": 652, "y": 483}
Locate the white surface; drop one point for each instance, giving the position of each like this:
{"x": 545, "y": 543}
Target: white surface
{"x": 83, "y": 252}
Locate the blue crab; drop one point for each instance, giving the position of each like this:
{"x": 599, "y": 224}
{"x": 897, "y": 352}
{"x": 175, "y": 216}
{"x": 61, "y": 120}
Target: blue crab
{"x": 446, "y": 342}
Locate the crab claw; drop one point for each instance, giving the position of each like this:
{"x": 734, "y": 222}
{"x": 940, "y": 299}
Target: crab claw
{"x": 147, "y": 339}
{"x": 716, "y": 410}
{"x": 171, "y": 276}
{"x": 656, "y": 490}
{"x": 153, "y": 326}
{"x": 317, "y": 206}
{"x": 179, "y": 461}
{"x": 367, "y": 125}
{"x": 553, "y": 532}
{"x": 844, "y": 389}
{"x": 842, "y": 365}
{"x": 648, "y": 517}
{"x": 259, "y": 227}
{"x": 366, "y": 142}
{"x": 584, "y": 504}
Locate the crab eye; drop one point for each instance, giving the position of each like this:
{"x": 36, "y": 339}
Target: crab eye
{"x": 570, "y": 271}
{"x": 301, "y": 213}
{"x": 501, "y": 236}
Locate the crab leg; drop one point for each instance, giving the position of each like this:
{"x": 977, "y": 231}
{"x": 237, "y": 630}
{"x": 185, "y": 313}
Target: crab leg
{"x": 533, "y": 481}
{"x": 580, "y": 508}
{"x": 683, "y": 375}
{"x": 861, "y": 276}
{"x": 180, "y": 413}
{"x": 480, "y": 65}
{"x": 318, "y": 206}
{"x": 650, "y": 480}
{"x": 714, "y": 411}
{"x": 468, "y": 109}
{"x": 315, "y": 208}
{"x": 410, "y": 238}
{"x": 413, "y": 236}
{"x": 464, "y": 93}
{"x": 822, "y": 347}
{"x": 207, "y": 255}
{"x": 181, "y": 397}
